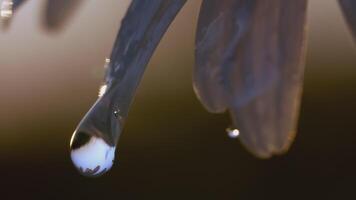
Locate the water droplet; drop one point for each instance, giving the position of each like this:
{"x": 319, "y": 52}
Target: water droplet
{"x": 91, "y": 155}
{"x": 233, "y": 132}
{"x": 94, "y": 140}
{"x": 6, "y": 9}
{"x": 116, "y": 113}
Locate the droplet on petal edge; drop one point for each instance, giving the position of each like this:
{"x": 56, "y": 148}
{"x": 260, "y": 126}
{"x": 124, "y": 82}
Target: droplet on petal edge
{"x": 233, "y": 132}
{"x": 116, "y": 113}
{"x": 91, "y": 155}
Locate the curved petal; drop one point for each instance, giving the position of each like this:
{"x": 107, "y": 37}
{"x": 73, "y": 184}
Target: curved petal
{"x": 250, "y": 60}
{"x": 214, "y": 36}
{"x": 142, "y": 28}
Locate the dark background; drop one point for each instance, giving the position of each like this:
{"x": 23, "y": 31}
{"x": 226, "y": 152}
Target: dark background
{"x": 171, "y": 147}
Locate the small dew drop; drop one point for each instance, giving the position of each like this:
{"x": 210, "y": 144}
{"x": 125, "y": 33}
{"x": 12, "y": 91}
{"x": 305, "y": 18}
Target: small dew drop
{"x": 233, "y": 132}
{"x": 116, "y": 113}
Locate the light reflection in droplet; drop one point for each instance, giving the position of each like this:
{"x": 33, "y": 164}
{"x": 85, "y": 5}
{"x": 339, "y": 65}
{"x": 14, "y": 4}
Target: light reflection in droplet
{"x": 233, "y": 132}
{"x": 116, "y": 113}
{"x": 91, "y": 155}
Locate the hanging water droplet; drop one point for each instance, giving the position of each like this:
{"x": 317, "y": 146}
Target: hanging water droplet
{"x": 233, "y": 132}
{"x": 91, "y": 155}
{"x": 6, "y": 9}
{"x": 116, "y": 113}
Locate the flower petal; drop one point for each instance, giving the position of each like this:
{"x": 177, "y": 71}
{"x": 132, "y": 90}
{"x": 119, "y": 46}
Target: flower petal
{"x": 250, "y": 60}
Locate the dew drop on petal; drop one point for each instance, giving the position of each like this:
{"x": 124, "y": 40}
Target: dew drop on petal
{"x": 91, "y": 155}
{"x": 233, "y": 132}
{"x": 116, "y": 113}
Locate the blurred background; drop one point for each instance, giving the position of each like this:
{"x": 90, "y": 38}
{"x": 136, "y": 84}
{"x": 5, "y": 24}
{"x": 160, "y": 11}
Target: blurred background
{"x": 171, "y": 147}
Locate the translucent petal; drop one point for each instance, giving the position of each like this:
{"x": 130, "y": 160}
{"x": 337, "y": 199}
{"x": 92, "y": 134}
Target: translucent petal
{"x": 250, "y": 59}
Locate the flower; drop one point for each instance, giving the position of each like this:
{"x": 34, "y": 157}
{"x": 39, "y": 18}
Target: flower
{"x": 250, "y": 58}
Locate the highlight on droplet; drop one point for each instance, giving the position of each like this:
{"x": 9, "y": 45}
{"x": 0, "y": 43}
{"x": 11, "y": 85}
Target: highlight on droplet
{"x": 6, "y": 9}
{"x": 91, "y": 155}
{"x": 233, "y": 132}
